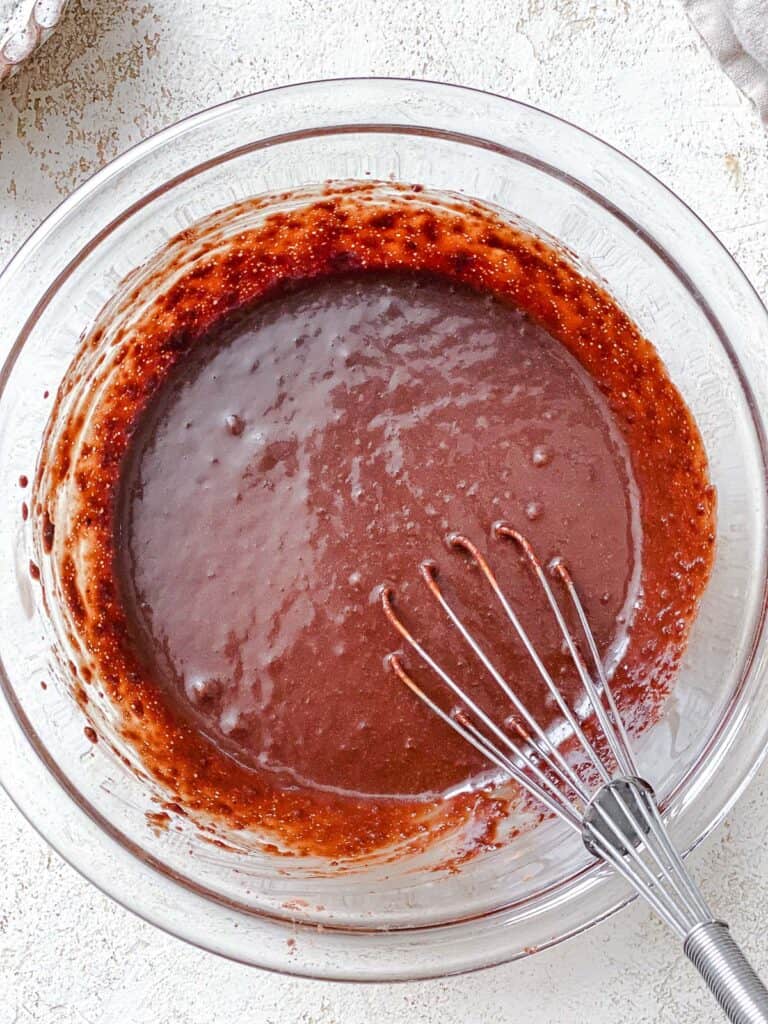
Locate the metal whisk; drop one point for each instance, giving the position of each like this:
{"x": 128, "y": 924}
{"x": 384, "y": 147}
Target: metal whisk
{"x": 614, "y": 810}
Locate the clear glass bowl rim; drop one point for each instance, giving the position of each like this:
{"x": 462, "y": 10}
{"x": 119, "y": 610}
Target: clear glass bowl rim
{"x": 11, "y": 715}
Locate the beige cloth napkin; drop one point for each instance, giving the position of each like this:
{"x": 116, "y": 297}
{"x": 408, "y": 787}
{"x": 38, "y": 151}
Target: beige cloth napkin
{"x": 736, "y": 32}
{"x": 25, "y": 25}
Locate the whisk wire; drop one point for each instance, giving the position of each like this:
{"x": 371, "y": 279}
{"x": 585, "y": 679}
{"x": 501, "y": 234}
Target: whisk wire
{"x": 622, "y": 750}
{"x": 460, "y": 541}
{"x": 473, "y": 736}
{"x": 625, "y": 765}
{"x": 618, "y": 819}
{"x": 464, "y": 697}
{"x": 630, "y": 842}
{"x": 651, "y": 894}
{"x": 675, "y": 872}
{"x": 679, "y": 918}
{"x": 541, "y": 742}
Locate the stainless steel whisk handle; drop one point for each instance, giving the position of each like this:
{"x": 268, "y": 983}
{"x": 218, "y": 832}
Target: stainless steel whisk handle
{"x": 727, "y": 972}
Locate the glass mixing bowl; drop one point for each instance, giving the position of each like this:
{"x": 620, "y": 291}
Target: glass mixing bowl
{"x": 403, "y": 919}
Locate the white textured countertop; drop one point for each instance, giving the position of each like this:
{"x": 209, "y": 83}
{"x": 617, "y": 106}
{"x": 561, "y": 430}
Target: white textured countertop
{"x": 633, "y": 72}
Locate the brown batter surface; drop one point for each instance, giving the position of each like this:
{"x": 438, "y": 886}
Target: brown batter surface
{"x": 326, "y": 442}
{"x": 306, "y": 414}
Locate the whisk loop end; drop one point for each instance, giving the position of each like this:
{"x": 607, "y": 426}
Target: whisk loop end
{"x": 607, "y": 803}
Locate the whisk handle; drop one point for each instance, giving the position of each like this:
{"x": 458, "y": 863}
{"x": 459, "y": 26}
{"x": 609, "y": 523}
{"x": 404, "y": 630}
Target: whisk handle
{"x": 728, "y": 974}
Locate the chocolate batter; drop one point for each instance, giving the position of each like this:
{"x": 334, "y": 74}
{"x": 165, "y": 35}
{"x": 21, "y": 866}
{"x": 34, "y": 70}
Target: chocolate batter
{"x": 305, "y": 413}
{"x": 326, "y": 442}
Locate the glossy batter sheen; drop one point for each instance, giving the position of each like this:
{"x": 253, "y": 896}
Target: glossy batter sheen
{"x": 327, "y": 442}
{"x": 303, "y": 413}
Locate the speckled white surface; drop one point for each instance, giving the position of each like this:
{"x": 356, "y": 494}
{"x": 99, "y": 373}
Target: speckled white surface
{"x": 632, "y": 71}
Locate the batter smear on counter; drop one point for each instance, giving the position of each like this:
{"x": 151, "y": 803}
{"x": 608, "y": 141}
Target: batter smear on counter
{"x": 307, "y": 411}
